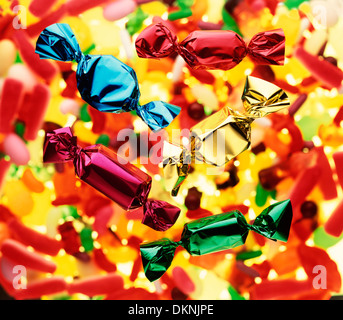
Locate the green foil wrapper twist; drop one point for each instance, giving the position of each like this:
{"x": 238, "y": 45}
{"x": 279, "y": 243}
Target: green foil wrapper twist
{"x": 216, "y": 233}
{"x": 222, "y": 136}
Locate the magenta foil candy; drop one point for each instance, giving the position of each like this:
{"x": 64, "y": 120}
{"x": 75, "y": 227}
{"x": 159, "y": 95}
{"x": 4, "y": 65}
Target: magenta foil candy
{"x": 116, "y": 178}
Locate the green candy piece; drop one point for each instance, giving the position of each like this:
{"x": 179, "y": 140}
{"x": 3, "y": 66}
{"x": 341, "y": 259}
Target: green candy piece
{"x": 185, "y": 3}
{"x": 136, "y": 20}
{"x": 262, "y": 195}
{"x": 69, "y": 211}
{"x": 18, "y": 58}
{"x": 294, "y": 4}
{"x": 248, "y": 255}
{"x": 45, "y": 173}
{"x": 89, "y": 49}
{"x": 184, "y": 12}
{"x": 181, "y": 14}
{"x": 84, "y": 114}
{"x": 234, "y": 294}
{"x": 86, "y": 239}
{"x": 309, "y": 125}
{"x": 324, "y": 240}
{"x": 216, "y": 233}
{"x": 15, "y": 171}
{"x": 230, "y": 23}
{"x": 20, "y": 129}
{"x": 103, "y": 139}
{"x": 64, "y": 297}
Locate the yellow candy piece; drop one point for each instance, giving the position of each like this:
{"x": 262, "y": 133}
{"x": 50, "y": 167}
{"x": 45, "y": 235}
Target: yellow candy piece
{"x": 7, "y": 55}
{"x": 199, "y": 9}
{"x": 105, "y": 35}
{"x": 141, "y": 68}
{"x": 81, "y": 30}
{"x": 291, "y": 19}
{"x": 262, "y": 160}
{"x": 121, "y": 254}
{"x": 35, "y": 149}
{"x": 234, "y": 76}
{"x": 84, "y": 133}
{"x": 66, "y": 265}
{"x": 153, "y": 91}
{"x": 154, "y": 8}
{"x": 206, "y": 281}
{"x": 41, "y": 207}
{"x": 14, "y": 190}
{"x": 213, "y": 14}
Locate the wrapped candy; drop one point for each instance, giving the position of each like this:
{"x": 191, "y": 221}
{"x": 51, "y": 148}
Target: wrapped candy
{"x": 223, "y": 135}
{"x": 113, "y": 176}
{"x": 103, "y": 81}
{"x": 216, "y": 233}
{"x": 212, "y": 49}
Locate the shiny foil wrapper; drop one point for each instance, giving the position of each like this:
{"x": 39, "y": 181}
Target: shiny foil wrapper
{"x": 216, "y": 233}
{"x": 212, "y": 49}
{"x": 114, "y": 177}
{"x": 104, "y": 82}
{"x": 222, "y": 136}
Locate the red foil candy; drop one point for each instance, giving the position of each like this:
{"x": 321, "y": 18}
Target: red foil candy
{"x": 212, "y": 49}
{"x": 113, "y": 176}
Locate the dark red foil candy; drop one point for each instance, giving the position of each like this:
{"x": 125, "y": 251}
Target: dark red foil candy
{"x": 212, "y": 49}
{"x": 113, "y": 176}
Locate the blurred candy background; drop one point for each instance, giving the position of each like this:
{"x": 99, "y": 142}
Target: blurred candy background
{"x": 77, "y": 244}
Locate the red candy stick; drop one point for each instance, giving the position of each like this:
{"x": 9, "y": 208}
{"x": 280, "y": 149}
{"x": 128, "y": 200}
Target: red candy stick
{"x": 338, "y": 158}
{"x": 4, "y": 166}
{"x": 240, "y": 207}
{"x": 37, "y": 240}
{"x": 11, "y": 97}
{"x": 97, "y": 285}
{"x": 41, "y": 288}
{"x": 296, "y": 105}
{"x": 75, "y": 7}
{"x": 132, "y": 294}
{"x": 43, "y": 68}
{"x": 98, "y": 118}
{"x": 19, "y": 254}
{"x": 334, "y": 225}
{"x": 5, "y": 214}
{"x": 4, "y": 282}
{"x": 203, "y": 76}
{"x": 183, "y": 281}
{"x": 53, "y": 17}
{"x": 70, "y": 238}
{"x": 137, "y": 266}
{"x": 284, "y": 85}
{"x": 102, "y": 261}
{"x": 321, "y": 69}
{"x": 304, "y": 184}
{"x": 37, "y": 105}
{"x": 278, "y": 289}
{"x": 339, "y": 117}
{"x": 41, "y": 7}
{"x": 326, "y": 182}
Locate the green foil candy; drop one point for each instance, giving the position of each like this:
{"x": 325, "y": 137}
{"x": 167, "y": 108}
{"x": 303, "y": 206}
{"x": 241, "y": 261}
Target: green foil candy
{"x": 216, "y": 233}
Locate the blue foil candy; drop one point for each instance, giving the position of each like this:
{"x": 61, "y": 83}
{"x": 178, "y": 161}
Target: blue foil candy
{"x": 104, "y": 82}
